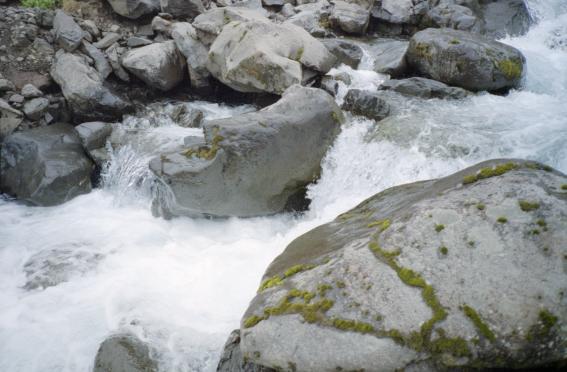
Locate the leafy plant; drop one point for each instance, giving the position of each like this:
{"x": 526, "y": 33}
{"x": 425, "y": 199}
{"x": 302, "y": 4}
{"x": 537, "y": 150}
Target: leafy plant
{"x": 45, "y": 4}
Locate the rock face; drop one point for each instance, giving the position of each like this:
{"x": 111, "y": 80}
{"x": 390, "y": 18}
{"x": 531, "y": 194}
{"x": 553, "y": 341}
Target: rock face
{"x": 350, "y": 18}
{"x": 45, "y": 166}
{"x": 466, "y": 60}
{"x": 463, "y": 272}
{"x": 84, "y": 91}
{"x": 259, "y": 56}
{"x": 124, "y": 353}
{"x": 253, "y": 164}
{"x": 195, "y": 52}
{"x": 182, "y": 8}
{"x": 231, "y": 359}
{"x": 159, "y": 65}
{"x": 10, "y": 119}
{"x": 503, "y": 17}
{"x": 135, "y": 8}
{"x": 210, "y": 24}
{"x": 67, "y": 32}
{"x": 390, "y": 57}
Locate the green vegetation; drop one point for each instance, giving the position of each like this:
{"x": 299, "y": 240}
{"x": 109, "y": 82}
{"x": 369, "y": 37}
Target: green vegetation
{"x": 252, "y": 321}
{"x": 510, "y": 68}
{"x": 541, "y": 223}
{"x": 278, "y": 280}
{"x": 564, "y": 187}
{"x": 480, "y": 325}
{"x": 454, "y": 42}
{"x": 382, "y": 224}
{"x": 206, "y": 152}
{"x": 480, "y": 207}
{"x": 528, "y": 206}
{"x": 542, "y": 329}
{"x": 270, "y": 282}
{"x": 444, "y": 250}
{"x": 502, "y": 219}
{"x": 352, "y": 325}
{"x": 45, "y": 4}
{"x": 489, "y": 172}
{"x": 439, "y": 227}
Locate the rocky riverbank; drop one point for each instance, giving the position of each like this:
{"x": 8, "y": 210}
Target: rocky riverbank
{"x": 380, "y": 285}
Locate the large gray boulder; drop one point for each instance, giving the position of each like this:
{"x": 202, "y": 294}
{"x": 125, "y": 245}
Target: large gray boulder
{"x": 210, "y": 24}
{"x": 349, "y": 18}
{"x": 466, "y": 60}
{"x": 252, "y": 164}
{"x": 399, "y": 16}
{"x": 10, "y": 119}
{"x": 424, "y": 88}
{"x": 259, "y": 56}
{"x": 159, "y": 65}
{"x": 345, "y": 51}
{"x": 313, "y": 17}
{"x": 389, "y": 56}
{"x": 124, "y": 353}
{"x": 182, "y": 8}
{"x": 68, "y": 34}
{"x": 195, "y": 52}
{"x": 454, "y": 16}
{"x": 505, "y": 17}
{"x": 45, "y": 166}
{"x": 460, "y": 273}
{"x": 135, "y": 8}
{"x": 84, "y": 91}
{"x": 366, "y": 103}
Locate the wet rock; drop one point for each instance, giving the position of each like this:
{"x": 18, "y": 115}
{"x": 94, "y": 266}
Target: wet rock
{"x": 10, "y": 119}
{"x": 84, "y": 91}
{"x": 345, "y": 51}
{"x": 330, "y": 85}
{"x": 186, "y": 117}
{"x": 30, "y": 91}
{"x": 183, "y": 8}
{"x": 349, "y": 18}
{"x": 424, "y": 88}
{"x": 45, "y": 166}
{"x": 124, "y": 352}
{"x": 366, "y": 103}
{"x": 94, "y": 134}
{"x": 159, "y": 65}
{"x": 68, "y": 34}
{"x": 231, "y": 359}
{"x": 507, "y": 17}
{"x": 466, "y": 60}
{"x": 448, "y": 271}
{"x": 390, "y": 57}
{"x": 101, "y": 63}
{"x": 35, "y": 108}
{"x": 134, "y": 9}
{"x": 243, "y": 152}
{"x": 195, "y": 52}
{"x": 259, "y": 56}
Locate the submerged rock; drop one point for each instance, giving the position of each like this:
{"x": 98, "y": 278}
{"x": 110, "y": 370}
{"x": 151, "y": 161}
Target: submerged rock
{"x": 124, "y": 353}
{"x": 84, "y": 90}
{"x": 253, "y": 164}
{"x": 366, "y": 103}
{"x": 259, "y": 56}
{"x": 466, "y": 271}
{"x": 45, "y": 166}
{"x": 466, "y": 60}
{"x": 345, "y": 51}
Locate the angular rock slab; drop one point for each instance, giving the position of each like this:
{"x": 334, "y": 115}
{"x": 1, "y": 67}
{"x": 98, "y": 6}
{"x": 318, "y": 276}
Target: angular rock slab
{"x": 253, "y": 164}
{"x": 159, "y": 65}
{"x": 466, "y": 60}
{"x": 67, "y": 32}
{"x": 45, "y": 166}
{"x": 259, "y": 56}
{"x": 84, "y": 90}
{"x": 467, "y": 271}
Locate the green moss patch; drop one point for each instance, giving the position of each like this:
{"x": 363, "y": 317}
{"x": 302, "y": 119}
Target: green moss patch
{"x": 510, "y": 68}
{"x": 564, "y": 187}
{"x": 381, "y": 224}
{"x": 480, "y": 325}
{"x": 278, "y": 280}
{"x": 205, "y": 152}
{"x": 528, "y": 206}
{"x": 439, "y": 227}
{"x": 489, "y": 172}
{"x": 444, "y": 250}
{"x": 502, "y": 220}
{"x": 352, "y": 325}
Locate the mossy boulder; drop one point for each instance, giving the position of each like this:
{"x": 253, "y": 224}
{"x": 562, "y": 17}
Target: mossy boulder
{"x": 252, "y": 164}
{"x": 384, "y": 287}
{"x": 260, "y": 56}
{"x": 465, "y": 60}
{"x": 124, "y": 352}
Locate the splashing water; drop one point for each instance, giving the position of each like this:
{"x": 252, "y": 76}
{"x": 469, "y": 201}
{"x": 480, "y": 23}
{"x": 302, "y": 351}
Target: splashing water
{"x": 101, "y": 263}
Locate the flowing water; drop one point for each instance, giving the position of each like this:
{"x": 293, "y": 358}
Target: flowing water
{"x": 73, "y": 274}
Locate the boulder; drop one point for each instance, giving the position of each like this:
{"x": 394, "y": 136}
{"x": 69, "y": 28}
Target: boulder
{"x": 231, "y": 359}
{"x": 84, "y": 91}
{"x": 313, "y": 18}
{"x": 182, "y": 8}
{"x": 30, "y": 91}
{"x": 68, "y": 34}
{"x": 135, "y": 8}
{"x": 390, "y": 57}
{"x": 424, "y": 88}
{"x": 108, "y": 39}
{"x": 466, "y": 60}
{"x": 209, "y": 25}
{"x": 465, "y": 272}
{"x": 45, "y": 166}
{"x": 399, "y": 16}
{"x": 159, "y": 65}
{"x": 349, "y": 18}
{"x": 93, "y": 135}
{"x": 366, "y": 103}
{"x": 259, "y": 56}
{"x": 195, "y": 52}
{"x": 454, "y": 16}
{"x": 345, "y": 51}
{"x": 10, "y": 119}
{"x": 505, "y": 17}
{"x": 101, "y": 63}
{"x": 124, "y": 353}
{"x": 35, "y": 108}
{"x": 6, "y": 85}
{"x": 253, "y": 164}
{"x": 114, "y": 54}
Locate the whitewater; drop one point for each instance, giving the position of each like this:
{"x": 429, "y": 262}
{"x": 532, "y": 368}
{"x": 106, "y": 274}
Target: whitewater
{"x": 182, "y": 284}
